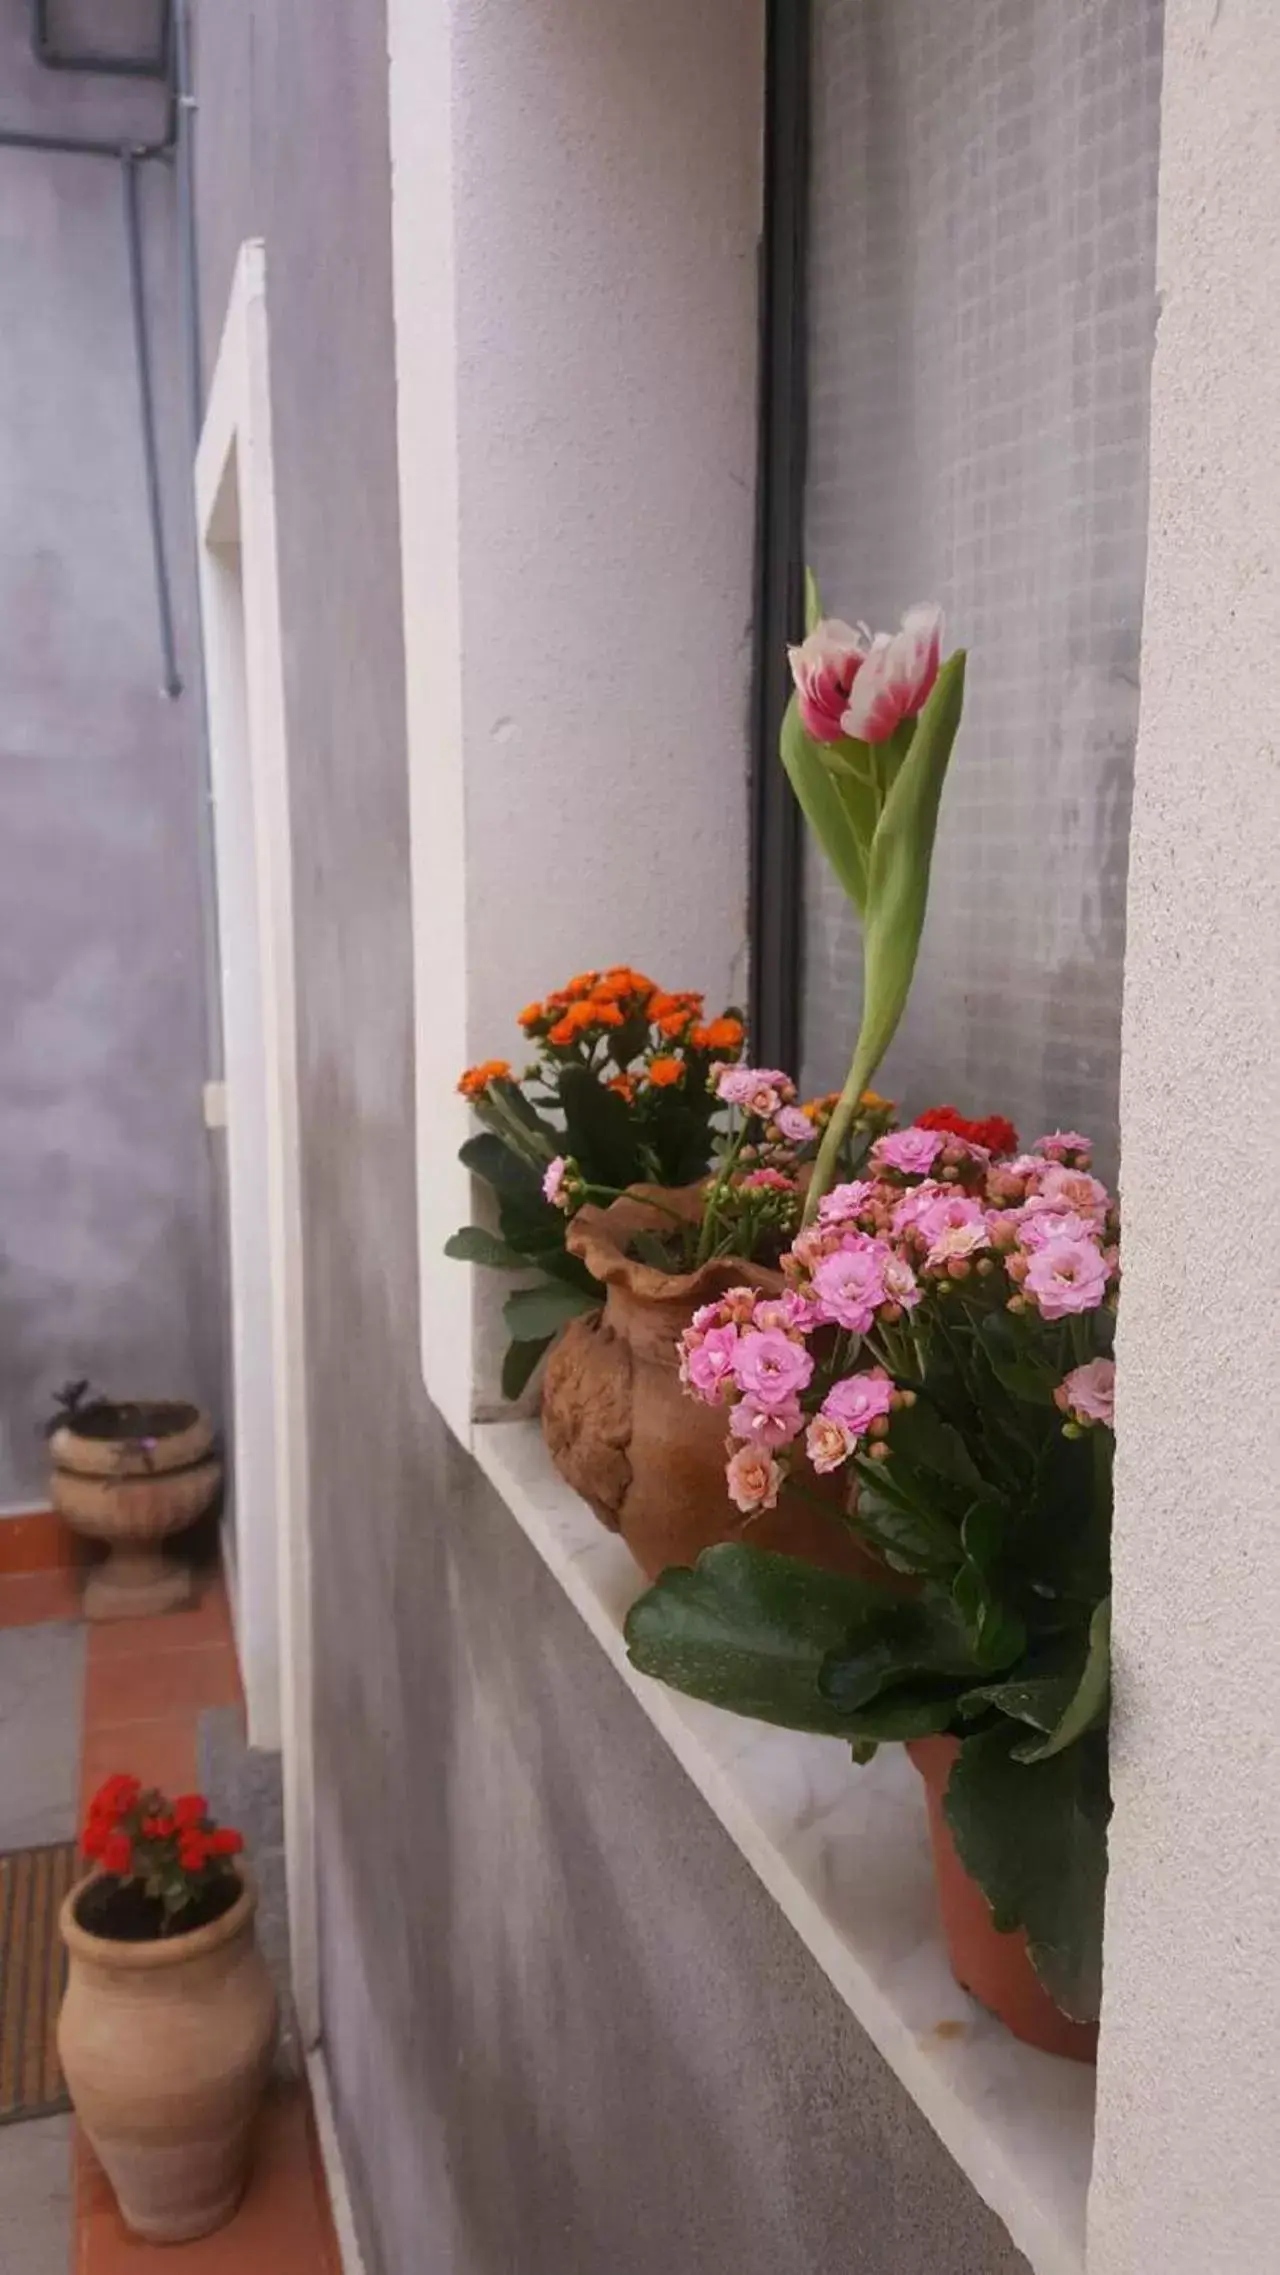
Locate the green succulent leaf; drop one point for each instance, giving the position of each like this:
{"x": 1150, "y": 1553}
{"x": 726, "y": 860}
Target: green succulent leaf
{"x": 898, "y": 1644}
{"x": 1086, "y": 1707}
{"x": 1034, "y": 1837}
{"x": 750, "y": 1630}
{"x": 532, "y": 1315}
{"x": 491, "y": 1158}
{"x": 473, "y": 1245}
{"x": 600, "y": 1130}
{"x": 519, "y": 1363}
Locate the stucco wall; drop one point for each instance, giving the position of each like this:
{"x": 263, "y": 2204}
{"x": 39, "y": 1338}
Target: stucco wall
{"x": 567, "y": 2030}
{"x": 1186, "y": 2176}
{"x": 104, "y": 1235}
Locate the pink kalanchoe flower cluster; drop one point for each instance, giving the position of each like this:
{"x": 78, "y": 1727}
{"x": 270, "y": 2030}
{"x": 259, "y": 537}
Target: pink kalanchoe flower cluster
{"x": 759, "y": 1090}
{"x": 820, "y": 1369}
{"x": 1088, "y": 1394}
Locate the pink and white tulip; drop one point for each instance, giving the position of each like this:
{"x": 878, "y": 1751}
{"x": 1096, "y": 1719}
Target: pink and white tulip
{"x": 895, "y": 681}
{"x": 824, "y": 668}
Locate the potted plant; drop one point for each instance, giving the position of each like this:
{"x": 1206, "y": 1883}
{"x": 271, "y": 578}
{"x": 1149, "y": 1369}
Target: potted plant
{"x": 168, "y": 2025}
{"x": 649, "y": 1461}
{"x": 129, "y": 1472}
{"x": 946, "y": 1347}
{"x": 622, "y": 1081}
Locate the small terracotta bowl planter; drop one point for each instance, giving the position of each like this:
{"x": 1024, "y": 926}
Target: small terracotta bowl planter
{"x": 648, "y": 1459}
{"x": 167, "y": 2046}
{"x": 129, "y": 1473}
{"x": 994, "y": 1968}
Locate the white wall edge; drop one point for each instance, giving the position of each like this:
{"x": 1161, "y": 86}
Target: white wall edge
{"x": 844, "y": 1854}
{"x": 331, "y": 2158}
{"x": 235, "y": 475}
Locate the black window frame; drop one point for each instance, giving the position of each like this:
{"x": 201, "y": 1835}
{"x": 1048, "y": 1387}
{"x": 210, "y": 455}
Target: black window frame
{"x": 776, "y": 825}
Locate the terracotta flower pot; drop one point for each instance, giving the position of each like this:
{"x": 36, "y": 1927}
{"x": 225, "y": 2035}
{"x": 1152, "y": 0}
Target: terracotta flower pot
{"x": 995, "y": 1969}
{"x": 649, "y": 1459}
{"x": 154, "y": 1476}
{"x": 167, "y": 2049}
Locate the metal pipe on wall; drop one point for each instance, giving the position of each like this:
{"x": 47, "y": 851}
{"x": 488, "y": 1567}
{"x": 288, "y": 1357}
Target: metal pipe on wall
{"x": 146, "y": 403}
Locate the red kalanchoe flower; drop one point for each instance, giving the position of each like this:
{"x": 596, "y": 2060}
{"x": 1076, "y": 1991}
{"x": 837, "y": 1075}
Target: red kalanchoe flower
{"x": 226, "y": 1841}
{"x": 117, "y": 1855}
{"x": 193, "y": 1851}
{"x": 995, "y": 1132}
{"x": 95, "y": 1839}
{"x": 190, "y": 1809}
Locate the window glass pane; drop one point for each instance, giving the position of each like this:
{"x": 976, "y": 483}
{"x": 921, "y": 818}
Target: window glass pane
{"x": 982, "y": 313}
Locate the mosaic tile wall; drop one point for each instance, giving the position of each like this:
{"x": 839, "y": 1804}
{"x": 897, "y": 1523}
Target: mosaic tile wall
{"x": 982, "y": 320}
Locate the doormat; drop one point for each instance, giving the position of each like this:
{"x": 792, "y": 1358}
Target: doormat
{"x": 33, "y": 1972}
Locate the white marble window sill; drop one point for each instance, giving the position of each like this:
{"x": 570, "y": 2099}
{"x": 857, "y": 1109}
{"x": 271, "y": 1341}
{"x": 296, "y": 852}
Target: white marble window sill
{"x": 844, "y": 1851}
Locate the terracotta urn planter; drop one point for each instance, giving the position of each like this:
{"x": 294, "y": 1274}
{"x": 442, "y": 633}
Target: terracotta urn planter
{"x": 130, "y": 1473}
{"x": 649, "y": 1459}
{"x": 167, "y": 2047}
{"x": 994, "y": 1968}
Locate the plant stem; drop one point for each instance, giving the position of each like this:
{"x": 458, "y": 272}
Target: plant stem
{"x": 837, "y": 1130}
{"x": 707, "y": 1236}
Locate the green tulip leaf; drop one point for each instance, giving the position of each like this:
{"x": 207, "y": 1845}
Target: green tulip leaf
{"x": 840, "y": 812}
{"x": 897, "y": 887}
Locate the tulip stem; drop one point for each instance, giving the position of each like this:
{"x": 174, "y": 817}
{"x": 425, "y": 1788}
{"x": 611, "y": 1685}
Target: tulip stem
{"x": 827, "y": 1166}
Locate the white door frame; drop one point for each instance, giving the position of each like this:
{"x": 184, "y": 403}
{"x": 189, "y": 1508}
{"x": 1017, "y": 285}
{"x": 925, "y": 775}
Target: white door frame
{"x": 249, "y": 766}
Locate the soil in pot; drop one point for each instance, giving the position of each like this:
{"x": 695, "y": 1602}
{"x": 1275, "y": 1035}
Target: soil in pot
{"x": 131, "y": 1419}
{"x": 994, "y": 1968}
{"x": 649, "y": 1459}
{"x": 121, "y": 1911}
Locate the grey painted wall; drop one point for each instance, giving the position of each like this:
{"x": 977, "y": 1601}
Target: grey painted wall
{"x": 568, "y": 2031}
{"x": 104, "y": 1228}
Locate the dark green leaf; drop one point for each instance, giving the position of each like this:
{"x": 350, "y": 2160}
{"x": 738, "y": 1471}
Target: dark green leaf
{"x": 1087, "y": 1705}
{"x": 533, "y": 1314}
{"x": 1033, "y": 1836}
{"x": 519, "y": 1363}
{"x": 749, "y": 1630}
{"x": 491, "y": 1158}
{"x": 914, "y": 1535}
{"x": 895, "y": 1644}
{"x": 473, "y": 1245}
{"x": 600, "y": 1130}
{"x": 1015, "y": 1362}
{"x": 921, "y": 1437}
{"x": 909, "y": 1710}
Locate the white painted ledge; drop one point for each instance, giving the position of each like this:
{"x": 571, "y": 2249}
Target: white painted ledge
{"x": 844, "y": 1852}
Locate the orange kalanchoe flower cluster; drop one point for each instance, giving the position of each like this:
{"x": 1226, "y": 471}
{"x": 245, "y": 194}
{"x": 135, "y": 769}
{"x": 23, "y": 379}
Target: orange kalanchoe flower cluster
{"x": 476, "y": 1080}
{"x": 594, "y": 1005}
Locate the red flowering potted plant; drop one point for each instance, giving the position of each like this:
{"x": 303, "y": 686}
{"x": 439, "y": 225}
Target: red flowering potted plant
{"x": 944, "y": 1347}
{"x": 168, "y": 2025}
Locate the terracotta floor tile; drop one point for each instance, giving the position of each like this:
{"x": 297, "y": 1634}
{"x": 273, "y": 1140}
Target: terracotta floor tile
{"x": 278, "y": 2230}
{"x": 208, "y": 1621}
{"x": 29, "y": 1599}
{"x": 161, "y": 1753}
{"x": 40, "y": 1542}
{"x": 121, "y": 1689}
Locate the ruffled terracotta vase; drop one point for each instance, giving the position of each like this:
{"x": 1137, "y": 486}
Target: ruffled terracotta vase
{"x": 166, "y": 2047}
{"x": 995, "y": 1969}
{"x": 649, "y": 1459}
